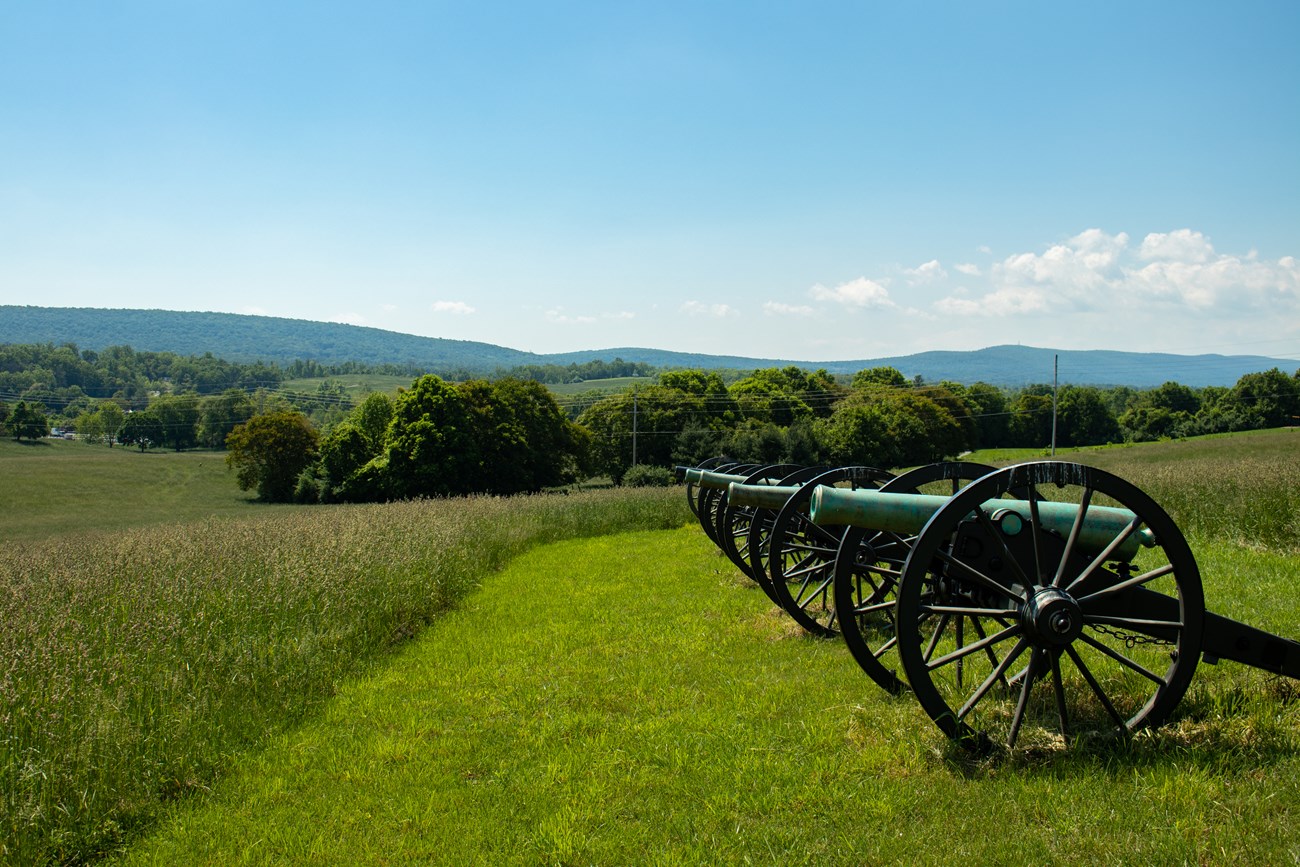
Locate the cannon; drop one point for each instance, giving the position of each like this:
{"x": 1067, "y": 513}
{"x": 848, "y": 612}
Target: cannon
{"x": 1040, "y": 604}
{"x": 728, "y": 526}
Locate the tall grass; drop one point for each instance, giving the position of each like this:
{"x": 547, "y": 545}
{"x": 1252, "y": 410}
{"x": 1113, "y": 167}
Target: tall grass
{"x": 1243, "y": 488}
{"x": 133, "y": 666}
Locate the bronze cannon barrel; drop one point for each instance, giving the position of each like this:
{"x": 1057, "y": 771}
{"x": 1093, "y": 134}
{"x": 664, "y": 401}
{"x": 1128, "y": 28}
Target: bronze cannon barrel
{"x": 908, "y": 513}
{"x": 759, "y": 496}
{"x": 710, "y": 479}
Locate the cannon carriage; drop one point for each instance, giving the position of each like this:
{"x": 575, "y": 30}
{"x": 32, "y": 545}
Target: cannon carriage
{"x": 1038, "y": 604}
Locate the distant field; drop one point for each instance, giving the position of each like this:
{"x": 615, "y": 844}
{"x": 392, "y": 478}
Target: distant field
{"x": 618, "y": 383}
{"x": 61, "y": 487}
{"x": 356, "y": 385}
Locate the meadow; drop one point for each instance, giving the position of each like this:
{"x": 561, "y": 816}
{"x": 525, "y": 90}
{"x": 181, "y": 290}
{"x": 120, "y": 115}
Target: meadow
{"x": 247, "y": 689}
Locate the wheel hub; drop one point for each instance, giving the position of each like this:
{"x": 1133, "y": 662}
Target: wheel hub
{"x": 1052, "y": 617}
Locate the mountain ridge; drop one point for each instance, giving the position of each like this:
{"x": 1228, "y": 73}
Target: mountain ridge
{"x": 244, "y": 337}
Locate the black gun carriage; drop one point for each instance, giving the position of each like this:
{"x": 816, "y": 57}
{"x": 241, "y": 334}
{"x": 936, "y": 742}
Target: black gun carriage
{"x": 1041, "y": 603}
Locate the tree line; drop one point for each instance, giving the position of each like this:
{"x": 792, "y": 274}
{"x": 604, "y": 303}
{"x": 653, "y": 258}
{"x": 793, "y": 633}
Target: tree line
{"x": 510, "y": 434}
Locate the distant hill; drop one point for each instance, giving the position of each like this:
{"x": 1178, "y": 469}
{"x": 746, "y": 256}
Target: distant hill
{"x": 249, "y": 338}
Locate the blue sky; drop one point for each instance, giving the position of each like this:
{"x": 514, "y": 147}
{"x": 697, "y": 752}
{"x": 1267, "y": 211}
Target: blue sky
{"x": 813, "y": 181}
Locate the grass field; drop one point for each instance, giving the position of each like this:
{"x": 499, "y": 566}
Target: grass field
{"x": 355, "y": 385}
{"x": 650, "y": 707}
{"x": 629, "y": 699}
{"x": 60, "y": 488}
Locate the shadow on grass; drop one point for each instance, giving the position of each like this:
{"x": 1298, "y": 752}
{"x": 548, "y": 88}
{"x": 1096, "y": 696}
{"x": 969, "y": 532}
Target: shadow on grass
{"x": 1233, "y": 727}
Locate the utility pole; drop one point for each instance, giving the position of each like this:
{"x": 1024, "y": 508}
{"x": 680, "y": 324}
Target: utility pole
{"x": 634, "y": 425}
{"x": 1055, "y": 365}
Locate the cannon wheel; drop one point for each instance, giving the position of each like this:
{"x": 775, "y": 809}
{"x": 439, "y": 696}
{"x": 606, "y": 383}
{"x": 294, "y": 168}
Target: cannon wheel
{"x": 801, "y": 554}
{"x": 760, "y": 533}
{"x": 693, "y": 491}
{"x": 732, "y": 523}
{"x": 1041, "y": 639}
{"x": 867, "y": 567}
{"x": 713, "y": 500}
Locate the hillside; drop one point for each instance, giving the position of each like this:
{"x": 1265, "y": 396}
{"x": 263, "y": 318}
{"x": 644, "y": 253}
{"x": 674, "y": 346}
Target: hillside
{"x": 238, "y": 337}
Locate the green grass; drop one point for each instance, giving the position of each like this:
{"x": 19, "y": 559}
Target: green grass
{"x": 133, "y": 665}
{"x": 55, "y": 488}
{"x": 355, "y": 385}
{"x": 1243, "y": 488}
{"x": 611, "y": 385}
{"x": 645, "y": 704}
{"x": 626, "y": 700}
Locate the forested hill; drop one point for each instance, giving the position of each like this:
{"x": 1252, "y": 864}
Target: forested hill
{"x": 244, "y": 338}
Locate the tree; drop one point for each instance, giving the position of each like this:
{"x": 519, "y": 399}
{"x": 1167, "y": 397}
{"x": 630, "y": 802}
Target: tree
{"x": 1084, "y": 418}
{"x": 142, "y": 429}
{"x": 1031, "y": 419}
{"x": 220, "y": 413}
{"x": 1271, "y": 397}
{"x": 892, "y": 428}
{"x": 429, "y": 450}
{"x": 111, "y": 419}
{"x": 269, "y": 451}
{"x": 524, "y": 441}
{"x": 28, "y": 421}
{"x": 988, "y": 405}
{"x": 879, "y": 377}
{"x": 90, "y": 427}
{"x": 179, "y": 416}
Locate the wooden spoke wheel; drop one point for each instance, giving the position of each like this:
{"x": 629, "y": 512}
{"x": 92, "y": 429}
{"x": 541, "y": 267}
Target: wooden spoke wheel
{"x": 732, "y": 523}
{"x": 1078, "y": 613}
{"x": 693, "y": 491}
{"x": 801, "y": 554}
{"x": 868, "y": 564}
{"x": 760, "y": 532}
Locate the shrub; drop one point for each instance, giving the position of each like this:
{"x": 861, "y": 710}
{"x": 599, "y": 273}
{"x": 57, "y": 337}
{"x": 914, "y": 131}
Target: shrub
{"x": 648, "y": 476}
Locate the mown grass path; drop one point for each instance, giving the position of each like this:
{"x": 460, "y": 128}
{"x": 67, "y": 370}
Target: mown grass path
{"x": 631, "y": 699}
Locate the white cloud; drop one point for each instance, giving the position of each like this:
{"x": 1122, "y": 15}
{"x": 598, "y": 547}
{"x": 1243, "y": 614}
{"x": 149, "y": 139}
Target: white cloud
{"x": 348, "y": 319}
{"x": 776, "y": 308}
{"x": 620, "y": 316}
{"x": 926, "y": 273}
{"x": 459, "y": 308}
{"x": 1097, "y": 271}
{"x": 697, "y": 308}
{"x": 1181, "y": 245}
{"x": 557, "y": 317}
{"x": 855, "y": 293}
{"x": 968, "y": 268}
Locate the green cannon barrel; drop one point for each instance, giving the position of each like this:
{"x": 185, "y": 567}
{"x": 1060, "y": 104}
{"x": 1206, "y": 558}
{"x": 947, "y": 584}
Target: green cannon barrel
{"x": 709, "y": 479}
{"x": 760, "y": 496}
{"x": 907, "y": 514}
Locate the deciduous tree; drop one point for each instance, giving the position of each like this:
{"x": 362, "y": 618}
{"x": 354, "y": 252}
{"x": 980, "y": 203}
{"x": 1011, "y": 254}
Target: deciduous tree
{"x": 269, "y": 451}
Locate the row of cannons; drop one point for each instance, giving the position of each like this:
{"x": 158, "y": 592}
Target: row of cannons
{"x": 1034, "y": 605}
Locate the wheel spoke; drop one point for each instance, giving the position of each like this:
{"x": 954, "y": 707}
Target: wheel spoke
{"x": 1059, "y": 688}
{"x": 1084, "y": 501}
{"x": 997, "y": 536}
{"x": 979, "y": 577}
{"x": 1096, "y": 687}
{"x": 998, "y": 673}
{"x": 1023, "y": 704}
{"x": 1137, "y": 581}
{"x": 1106, "y": 554}
{"x": 972, "y": 612}
{"x": 934, "y": 639}
{"x": 1120, "y": 658}
{"x": 974, "y": 647}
